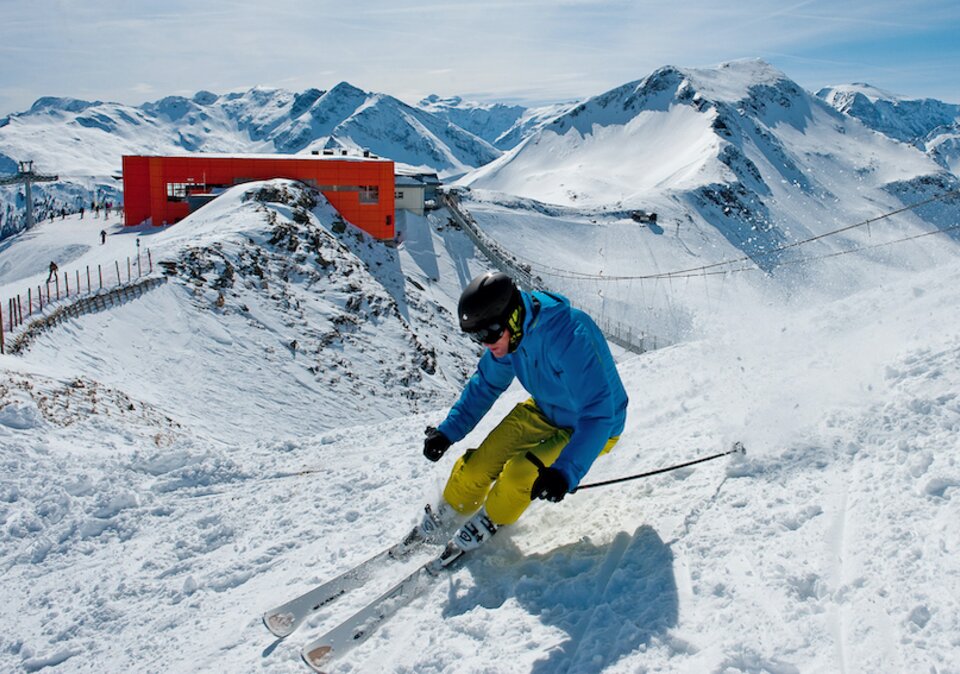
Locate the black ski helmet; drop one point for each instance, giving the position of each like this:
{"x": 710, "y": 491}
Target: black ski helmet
{"x": 487, "y": 302}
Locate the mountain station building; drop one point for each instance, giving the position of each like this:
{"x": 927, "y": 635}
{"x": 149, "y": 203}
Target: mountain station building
{"x": 166, "y": 189}
{"x": 416, "y": 191}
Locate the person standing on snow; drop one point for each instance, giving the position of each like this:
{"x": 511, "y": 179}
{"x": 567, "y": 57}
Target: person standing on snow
{"x": 576, "y": 412}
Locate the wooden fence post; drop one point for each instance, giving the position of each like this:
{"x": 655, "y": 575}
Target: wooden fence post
{"x": 40, "y": 297}
{"x": 119, "y": 280}
{"x": 150, "y": 260}
{"x": 29, "y": 302}
{"x": 89, "y": 290}
{"x": 78, "y": 283}
{"x": 100, "y": 272}
{"x": 2, "y": 346}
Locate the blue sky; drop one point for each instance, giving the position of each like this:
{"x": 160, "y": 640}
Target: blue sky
{"x": 528, "y": 51}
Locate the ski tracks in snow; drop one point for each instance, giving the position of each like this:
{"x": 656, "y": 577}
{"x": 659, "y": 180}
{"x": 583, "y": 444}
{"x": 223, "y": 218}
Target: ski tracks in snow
{"x": 836, "y": 542}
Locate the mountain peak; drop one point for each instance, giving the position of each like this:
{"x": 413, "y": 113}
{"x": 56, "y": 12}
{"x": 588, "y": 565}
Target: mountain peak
{"x": 433, "y": 100}
{"x": 171, "y": 107}
{"x": 734, "y": 81}
{"x": 203, "y": 97}
{"x": 347, "y": 90}
{"x": 871, "y": 92}
{"x": 64, "y": 104}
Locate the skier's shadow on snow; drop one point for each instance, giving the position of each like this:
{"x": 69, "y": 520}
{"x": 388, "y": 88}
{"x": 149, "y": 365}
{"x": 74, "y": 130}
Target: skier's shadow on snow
{"x": 610, "y": 600}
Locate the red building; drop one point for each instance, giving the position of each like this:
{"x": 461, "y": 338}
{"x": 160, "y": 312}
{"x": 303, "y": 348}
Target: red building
{"x": 161, "y": 188}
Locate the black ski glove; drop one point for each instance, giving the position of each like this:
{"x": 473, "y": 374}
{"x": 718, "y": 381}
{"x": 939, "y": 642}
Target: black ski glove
{"x": 435, "y": 444}
{"x": 550, "y": 485}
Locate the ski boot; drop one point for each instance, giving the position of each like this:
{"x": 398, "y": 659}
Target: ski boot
{"x": 469, "y": 537}
{"x": 430, "y": 530}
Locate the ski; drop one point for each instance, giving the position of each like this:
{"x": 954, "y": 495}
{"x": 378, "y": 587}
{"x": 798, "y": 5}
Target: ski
{"x": 284, "y": 619}
{"x": 322, "y": 652}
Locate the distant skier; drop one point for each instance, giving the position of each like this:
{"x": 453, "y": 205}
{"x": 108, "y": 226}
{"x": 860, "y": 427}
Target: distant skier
{"x": 577, "y": 410}
{"x": 103, "y": 236}
{"x": 53, "y": 271}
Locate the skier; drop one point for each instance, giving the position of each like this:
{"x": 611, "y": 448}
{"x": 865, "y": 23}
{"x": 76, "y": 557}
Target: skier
{"x": 577, "y": 410}
{"x": 103, "y": 236}
{"x": 53, "y": 271}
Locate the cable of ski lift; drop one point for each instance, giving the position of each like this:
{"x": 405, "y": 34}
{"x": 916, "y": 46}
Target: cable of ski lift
{"x": 704, "y": 270}
{"x": 817, "y": 258}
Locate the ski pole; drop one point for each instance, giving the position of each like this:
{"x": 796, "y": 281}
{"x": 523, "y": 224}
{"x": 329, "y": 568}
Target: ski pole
{"x": 737, "y": 448}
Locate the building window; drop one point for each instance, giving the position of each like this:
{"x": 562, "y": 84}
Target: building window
{"x": 399, "y": 194}
{"x": 369, "y": 194}
{"x": 177, "y": 191}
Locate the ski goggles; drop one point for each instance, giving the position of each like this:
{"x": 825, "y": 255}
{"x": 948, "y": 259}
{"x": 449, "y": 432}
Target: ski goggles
{"x": 488, "y": 335}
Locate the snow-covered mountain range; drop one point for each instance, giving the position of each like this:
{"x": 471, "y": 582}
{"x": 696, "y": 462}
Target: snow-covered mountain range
{"x": 82, "y": 141}
{"x": 890, "y": 114}
{"x": 87, "y": 138}
{"x": 929, "y": 124}
{"x": 740, "y": 149}
{"x": 743, "y": 136}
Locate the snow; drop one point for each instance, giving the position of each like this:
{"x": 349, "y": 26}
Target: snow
{"x": 158, "y": 494}
{"x": 173, "y": 466}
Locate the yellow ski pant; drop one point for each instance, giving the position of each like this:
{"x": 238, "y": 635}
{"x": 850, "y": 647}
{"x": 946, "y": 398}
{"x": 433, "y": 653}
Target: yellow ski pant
{"x": 500, "y": 462}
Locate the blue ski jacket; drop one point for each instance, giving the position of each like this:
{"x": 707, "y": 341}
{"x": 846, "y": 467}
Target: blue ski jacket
{"x": 564, "y": 362}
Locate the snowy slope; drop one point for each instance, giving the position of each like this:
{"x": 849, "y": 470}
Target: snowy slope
{"x": 145, "y": 528}
{"x": 258, "y": 295}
